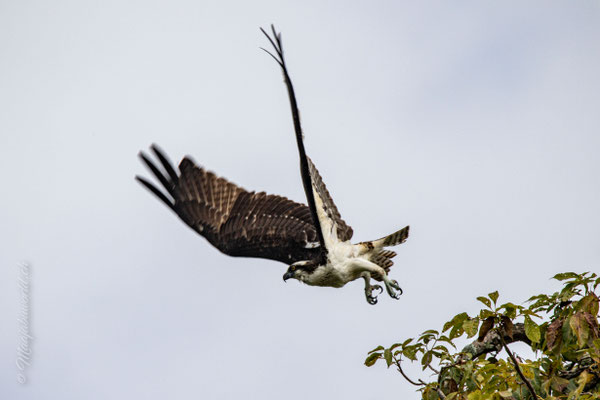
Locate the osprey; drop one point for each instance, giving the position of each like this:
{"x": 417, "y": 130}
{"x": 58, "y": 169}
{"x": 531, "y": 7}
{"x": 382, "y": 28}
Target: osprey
{"x": 313, "y": 240}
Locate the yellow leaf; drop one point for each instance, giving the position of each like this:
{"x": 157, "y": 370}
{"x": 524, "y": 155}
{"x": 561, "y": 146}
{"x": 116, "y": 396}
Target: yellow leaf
{"x": 580, "y": 327}
{"x": 475, "y": 396}
{"x": 583, "y": 379}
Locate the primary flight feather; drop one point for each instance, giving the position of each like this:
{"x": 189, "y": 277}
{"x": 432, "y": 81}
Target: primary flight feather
{"x": 313, "y": 240}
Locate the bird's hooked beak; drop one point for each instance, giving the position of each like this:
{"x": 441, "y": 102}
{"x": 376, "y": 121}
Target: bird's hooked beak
{"x": 288, "y": 275}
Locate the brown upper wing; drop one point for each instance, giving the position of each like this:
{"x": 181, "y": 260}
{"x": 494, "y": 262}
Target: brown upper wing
{"x": 235, "y": 221}
{"x": 344, "y": 231}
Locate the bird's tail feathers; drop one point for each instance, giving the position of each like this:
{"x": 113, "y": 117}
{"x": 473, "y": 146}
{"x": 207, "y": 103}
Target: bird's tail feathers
{"x": 383, "y": 258}
{"x": 375, "y": 248}
{"x": 394, "y": 239}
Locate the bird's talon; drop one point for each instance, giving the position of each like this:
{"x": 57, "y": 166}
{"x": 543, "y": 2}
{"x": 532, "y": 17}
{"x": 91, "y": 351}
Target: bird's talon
{"x": 393, "y": 288}
{"x": 372, "y": 299}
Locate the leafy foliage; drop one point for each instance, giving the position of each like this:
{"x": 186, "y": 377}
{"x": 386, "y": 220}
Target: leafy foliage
{"x": 562, "y": 329}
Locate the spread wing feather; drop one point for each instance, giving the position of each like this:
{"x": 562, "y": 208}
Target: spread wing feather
{"x": 344, "y": 231}
{"x": 304, "y": 172}
{"x": 310, "y": 176}
{"x": 235, "y": 221}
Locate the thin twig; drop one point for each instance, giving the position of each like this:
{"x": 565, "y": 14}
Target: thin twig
{"x": 433, "y": 369}
{"x": 516, "y": 363}
{"x": 577, "y": 368}
{"x": 397, "y": 362}
{"x": 429, "y": 365}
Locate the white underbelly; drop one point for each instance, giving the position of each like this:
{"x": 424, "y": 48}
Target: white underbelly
{"x": 340, "y": 269}
{"x": 344, "y": 264}
{"x": 327, "y": 275}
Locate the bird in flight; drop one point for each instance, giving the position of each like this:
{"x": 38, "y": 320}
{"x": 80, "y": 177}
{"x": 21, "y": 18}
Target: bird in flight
{"x": 313, "y": 240}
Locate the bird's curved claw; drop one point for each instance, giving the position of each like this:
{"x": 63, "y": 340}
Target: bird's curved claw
{"x": 391, "y": 286}
{"x": 371, "y": 298}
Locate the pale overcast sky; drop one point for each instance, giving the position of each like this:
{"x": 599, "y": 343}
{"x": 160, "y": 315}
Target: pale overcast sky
{"x": 477, "y": 123}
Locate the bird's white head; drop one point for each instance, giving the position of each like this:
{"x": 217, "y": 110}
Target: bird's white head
{"x": 300, "y": 270}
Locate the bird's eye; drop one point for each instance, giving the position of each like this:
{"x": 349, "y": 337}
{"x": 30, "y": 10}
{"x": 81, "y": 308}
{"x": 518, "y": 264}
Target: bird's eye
{"x": 293, "y": 268}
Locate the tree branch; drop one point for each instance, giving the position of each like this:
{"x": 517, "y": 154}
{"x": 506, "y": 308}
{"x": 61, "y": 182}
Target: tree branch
{"x": 576, "y": 370}
{"x": 405, "y": 376}
{"x": 492, "y": 342}
{"x": 516, "y": 363}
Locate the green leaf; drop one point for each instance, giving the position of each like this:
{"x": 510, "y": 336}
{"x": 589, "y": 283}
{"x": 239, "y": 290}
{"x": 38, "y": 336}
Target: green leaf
{"x": 387, "y": 355}
{"x": 410, "y": 352}
{"x": 456, "y": 332}
{"x": 442, "y": 348}
{"x": 456, "y": 321}
{"x": 530, "y": 313}
{"x": 485, "y": 301}
{"x": 589, "y": 304}
{"x": 559, "y": 384}
{"x": 580, "y": 327}
{"x": 372, "y": 359}
{"x": 430, "y": 393}
{"x": 565, "y": 276}
{"x": 470, "y": 326}
{"x": 378, "y": 348}
{"x": 475, "y": 395}
{"x": 510, "y": 309}
{"x": 447, "y": 326}
{"x": 532, "y": 330}
{"x": 426, "y": 360}
{"x": 582, "y": 381}
{"x": 459, "y": 318}
{"x": 392, "y": 347}
{"x": 447, "y": 340}
{"x": 493, "y": 296}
